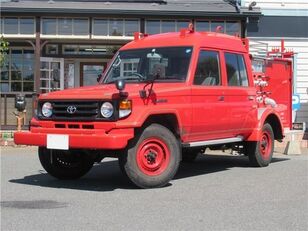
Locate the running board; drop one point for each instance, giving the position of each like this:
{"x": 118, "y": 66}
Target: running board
{"x": 213, "y": 142}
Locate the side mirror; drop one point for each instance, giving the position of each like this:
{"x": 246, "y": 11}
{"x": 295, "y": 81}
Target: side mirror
{"x": 120, "y": 84}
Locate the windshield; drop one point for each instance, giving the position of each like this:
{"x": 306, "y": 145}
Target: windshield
{"x": 143, "y": 65}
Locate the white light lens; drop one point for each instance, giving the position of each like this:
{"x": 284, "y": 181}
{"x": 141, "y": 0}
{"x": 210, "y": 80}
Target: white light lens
{"x": 124, "y": 113}
{"x": 47, "y": 109}
{"x": 107, "y": 110}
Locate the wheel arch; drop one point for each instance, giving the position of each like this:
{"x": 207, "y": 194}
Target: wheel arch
{"x": 275, "y": 123}
{"x": 270, "y": 117}
{"x": 168, "y": 120}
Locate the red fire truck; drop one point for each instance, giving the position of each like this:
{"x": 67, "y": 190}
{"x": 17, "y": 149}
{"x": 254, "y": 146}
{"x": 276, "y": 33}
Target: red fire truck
{"x": 162, "y": 100}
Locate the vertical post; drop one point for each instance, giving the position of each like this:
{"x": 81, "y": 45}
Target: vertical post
{"x": 0, "y": 111}
{"x": 282, "y": 46}
{"x": 5, "y": 109}
{"x": 37, "y": 56}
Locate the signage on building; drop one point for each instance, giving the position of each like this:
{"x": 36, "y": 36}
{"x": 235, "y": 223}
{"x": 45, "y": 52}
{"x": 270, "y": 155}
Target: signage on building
{"x": 296, "y": 102}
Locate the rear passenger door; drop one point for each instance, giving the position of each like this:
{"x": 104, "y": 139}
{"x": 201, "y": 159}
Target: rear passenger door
{"x": 209, "y": 120}
{"x": 239, "y": 94}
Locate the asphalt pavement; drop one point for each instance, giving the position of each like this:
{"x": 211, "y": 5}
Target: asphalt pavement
{"x": 216, "y": 192}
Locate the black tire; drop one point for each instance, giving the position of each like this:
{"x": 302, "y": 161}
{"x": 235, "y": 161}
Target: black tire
{"x": 190, "y": 155}
{"x": 260, "y": 152}
{"x": 152, "y": 158}
{"x": 65, "y": 165}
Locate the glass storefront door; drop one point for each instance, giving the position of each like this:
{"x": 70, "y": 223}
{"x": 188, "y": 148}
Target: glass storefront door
{"x": 52, "y": 74}
{"x": 89, "y": 73}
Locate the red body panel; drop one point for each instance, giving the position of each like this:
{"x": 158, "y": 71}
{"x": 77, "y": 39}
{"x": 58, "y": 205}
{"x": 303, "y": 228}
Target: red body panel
{"x": 200, "y": 112}
{"x": 280, "y": 73}
{"x": 99, "y": 139}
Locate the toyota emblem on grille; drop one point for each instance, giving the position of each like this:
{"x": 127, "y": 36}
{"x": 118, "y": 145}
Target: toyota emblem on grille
{"x": 71, "y": 109}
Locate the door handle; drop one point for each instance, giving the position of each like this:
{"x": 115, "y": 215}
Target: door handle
{"x": 221, "y": 98}
{"x": 251, "y": 97}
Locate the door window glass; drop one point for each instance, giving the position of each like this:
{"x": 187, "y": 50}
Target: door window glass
{"x": 207, "y": 71}
{"x": 236, "y": 70}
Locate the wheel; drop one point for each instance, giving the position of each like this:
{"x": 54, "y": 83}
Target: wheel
{"x": 260, "y": 152}
{"x": 189, "y": 155}
{"x": 65, "y": 165}
{"x": 151, "y": 159}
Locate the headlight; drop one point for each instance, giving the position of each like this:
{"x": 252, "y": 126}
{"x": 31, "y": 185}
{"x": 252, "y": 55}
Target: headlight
{"x": 107, "y": 110}
{"x": 47, "y": 109}
{"x": 125, "y": 108}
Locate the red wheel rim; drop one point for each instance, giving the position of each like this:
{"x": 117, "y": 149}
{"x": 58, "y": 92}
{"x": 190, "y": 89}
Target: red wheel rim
{"x": 153, "y": 156}
{"x": 266, "y": 145}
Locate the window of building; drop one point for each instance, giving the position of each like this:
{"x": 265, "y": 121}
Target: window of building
{"x": 17, "y": 25}
{"x": 100, "y": 27}
{"x": 131, "y": 26}
{"x": 49, "y": 26}
{"x": 115, "y": 27}
{"x": 233, "y": 28}
{"x": 107, "y": 50}
{"x": 26, "y": 26}
{"x": 65, "y": 26}
{"x": 52, "y": 49}
{"x": 216, "y": 24}
{"x": 228, "y": 27}
{"x": 10, "y": 25}
{"x": 202, "y": 26}
{"x": 162, "y": 26}
{"x": 207, "y": 72}
{"x": 153, "y": 26}
{"x": 81, "y": 26}
{"x": 236, "y": 70}
{"x": 17, "y": 74}
{"x": 182, "y": 24}
{"x": 167, "y": 26}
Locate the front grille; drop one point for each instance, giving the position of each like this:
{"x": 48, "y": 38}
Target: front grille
{"x": 82, "y": 110}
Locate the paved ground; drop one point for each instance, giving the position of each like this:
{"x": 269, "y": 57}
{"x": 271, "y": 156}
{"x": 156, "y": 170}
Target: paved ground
{"x": 214, "y": 193}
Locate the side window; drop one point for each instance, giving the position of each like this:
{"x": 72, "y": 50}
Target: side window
{"x": 207, "y": 71}
{"x": 236, "y": 70}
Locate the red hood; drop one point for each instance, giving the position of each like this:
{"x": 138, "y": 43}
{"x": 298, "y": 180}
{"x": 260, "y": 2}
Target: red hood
{"x": 105, "y": 91}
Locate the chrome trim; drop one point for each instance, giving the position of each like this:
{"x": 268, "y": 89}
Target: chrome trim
{"x": 213, "y": 142}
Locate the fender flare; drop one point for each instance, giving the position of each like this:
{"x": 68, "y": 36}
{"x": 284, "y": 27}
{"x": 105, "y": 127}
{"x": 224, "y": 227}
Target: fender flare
{"x": 140, "y": 119}
{"x": 263, "y": 115}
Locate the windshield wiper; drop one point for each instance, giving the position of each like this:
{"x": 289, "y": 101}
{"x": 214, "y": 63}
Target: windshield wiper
{"x": 126, "y": 78}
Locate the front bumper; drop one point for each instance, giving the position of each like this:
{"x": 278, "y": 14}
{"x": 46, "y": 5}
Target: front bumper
{"x": 114, "y": 139}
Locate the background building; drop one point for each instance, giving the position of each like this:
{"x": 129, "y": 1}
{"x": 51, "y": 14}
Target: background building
{"x": 288, "y": 20}
{"x": 74, "y": 40}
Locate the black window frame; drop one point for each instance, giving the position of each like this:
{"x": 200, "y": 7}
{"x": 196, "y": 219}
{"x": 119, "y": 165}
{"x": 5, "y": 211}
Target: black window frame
{"x": 218, "y": 66}
{"x": 239, "y": 57}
